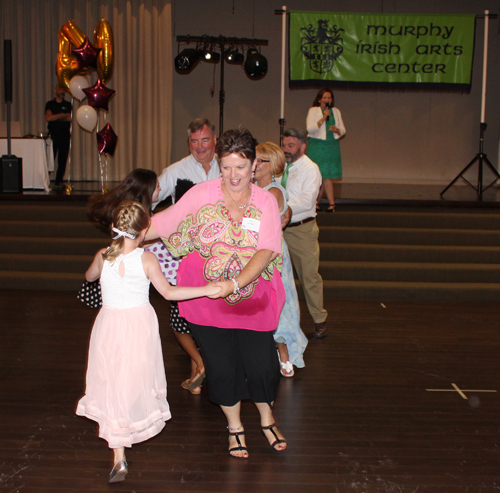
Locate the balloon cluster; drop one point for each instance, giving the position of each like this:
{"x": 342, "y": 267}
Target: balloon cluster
{"x": 73, "y": 63}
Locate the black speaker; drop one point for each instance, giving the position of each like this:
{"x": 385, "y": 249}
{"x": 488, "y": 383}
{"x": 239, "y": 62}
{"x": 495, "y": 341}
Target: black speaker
{"x": 7, "y": 53}
{"x": 11, "y": 176}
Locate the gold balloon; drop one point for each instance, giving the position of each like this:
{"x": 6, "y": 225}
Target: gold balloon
{"x": 66, "y": 66}
{"x": 103, "y": 38}
{"x": 73, "y": 33}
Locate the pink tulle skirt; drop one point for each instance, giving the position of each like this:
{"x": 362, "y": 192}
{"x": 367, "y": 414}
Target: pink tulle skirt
{"x": 126, "y": 388}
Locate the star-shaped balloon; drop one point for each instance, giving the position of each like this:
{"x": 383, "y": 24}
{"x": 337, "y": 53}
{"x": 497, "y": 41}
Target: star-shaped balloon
{"x": 98, "y": 95}
{"x": 106, "y": 140}
{"x": 86, "y": 55}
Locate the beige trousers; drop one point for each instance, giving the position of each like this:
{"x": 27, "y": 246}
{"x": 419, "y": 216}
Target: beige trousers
{"x": 303, "y": 244}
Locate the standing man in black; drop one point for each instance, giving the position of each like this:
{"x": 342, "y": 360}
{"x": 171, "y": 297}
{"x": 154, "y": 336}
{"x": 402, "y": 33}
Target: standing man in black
{"x": 58, "y": 116}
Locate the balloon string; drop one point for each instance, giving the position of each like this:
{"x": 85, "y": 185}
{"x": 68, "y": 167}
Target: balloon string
{"x": 106, "y": 155}
{"x": 101, "y": 164}
{"x": 100, "y": 167}
{"x": 70, "y": 138}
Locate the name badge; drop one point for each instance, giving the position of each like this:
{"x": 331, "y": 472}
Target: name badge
{"x": 251, "y": 224}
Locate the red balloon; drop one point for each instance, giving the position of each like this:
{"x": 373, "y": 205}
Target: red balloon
{"x": 98, "y": 95}
{"x": 86, "y": 55}
{"x": 106, "y": 140}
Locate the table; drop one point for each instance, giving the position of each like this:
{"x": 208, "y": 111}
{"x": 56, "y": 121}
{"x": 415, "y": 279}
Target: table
{"x": 34, "y": 154}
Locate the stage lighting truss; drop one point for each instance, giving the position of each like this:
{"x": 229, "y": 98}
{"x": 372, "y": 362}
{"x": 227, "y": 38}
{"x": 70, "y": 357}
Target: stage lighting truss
{"x": 213, "y": 49}
{"x": 221, "y": 50}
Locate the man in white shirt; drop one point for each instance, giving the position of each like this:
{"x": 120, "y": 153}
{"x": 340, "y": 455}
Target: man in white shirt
{"x": 200, "y": 165}
{"x": 302, "y": 180}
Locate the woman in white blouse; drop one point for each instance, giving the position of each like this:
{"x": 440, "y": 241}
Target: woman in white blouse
{"x": 325, "y": 128}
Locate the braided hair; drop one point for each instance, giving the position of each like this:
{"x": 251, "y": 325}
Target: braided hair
{"x": 130, "y": 217}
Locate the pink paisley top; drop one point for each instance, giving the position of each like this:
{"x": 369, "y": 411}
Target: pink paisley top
{"x": 200, "y": 228}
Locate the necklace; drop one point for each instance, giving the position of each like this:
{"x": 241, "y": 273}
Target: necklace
{"x": 244, "y": 206}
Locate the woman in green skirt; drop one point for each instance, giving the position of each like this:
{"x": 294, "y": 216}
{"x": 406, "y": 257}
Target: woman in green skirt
{"x": 325, "y": 128}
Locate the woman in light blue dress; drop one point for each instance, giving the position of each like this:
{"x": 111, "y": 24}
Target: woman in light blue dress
{"x": 290, "y": 340}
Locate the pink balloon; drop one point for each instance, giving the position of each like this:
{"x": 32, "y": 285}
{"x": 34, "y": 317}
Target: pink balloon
{"x": 98, "y": 95}
{"x": 86, "y": 116}
{"x": 106, "y": 140}
{"x": 86, "y": 55}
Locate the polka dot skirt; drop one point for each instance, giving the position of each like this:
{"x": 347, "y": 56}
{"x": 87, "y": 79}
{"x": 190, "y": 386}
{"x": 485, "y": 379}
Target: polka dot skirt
{"x": 90, "y": 293}
{"x": 178, "y": 323}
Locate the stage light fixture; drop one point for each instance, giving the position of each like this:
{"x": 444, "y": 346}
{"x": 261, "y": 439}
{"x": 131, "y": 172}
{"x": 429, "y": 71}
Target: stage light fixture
{"x": 255, "y": 64}
{"x": 210, "y": 55}
{"x": 234, "y": 56}
{"x": 186, "y": 60}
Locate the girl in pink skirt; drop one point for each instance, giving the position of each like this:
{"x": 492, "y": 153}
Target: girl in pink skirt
{"x": 126, "y": 388}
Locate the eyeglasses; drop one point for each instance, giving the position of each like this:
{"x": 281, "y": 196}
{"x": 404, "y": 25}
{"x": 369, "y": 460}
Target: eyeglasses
{"x": 260, "y": 161}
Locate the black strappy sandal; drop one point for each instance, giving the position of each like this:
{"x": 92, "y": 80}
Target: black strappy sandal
{"x": 278, "y": 440}
{"x": 240, "y": 447}
{"x": 331, "y": 208}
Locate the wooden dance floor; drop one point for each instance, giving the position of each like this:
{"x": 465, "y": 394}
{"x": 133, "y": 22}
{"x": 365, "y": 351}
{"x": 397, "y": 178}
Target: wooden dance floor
{"x": 399, "y": 397}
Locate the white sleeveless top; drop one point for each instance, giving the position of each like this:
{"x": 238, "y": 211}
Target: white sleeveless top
{"x": 128, "y": 291}
{"x": 275, "y": 184}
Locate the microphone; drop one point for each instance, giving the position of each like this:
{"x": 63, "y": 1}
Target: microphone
{"x": 328, "y": 106}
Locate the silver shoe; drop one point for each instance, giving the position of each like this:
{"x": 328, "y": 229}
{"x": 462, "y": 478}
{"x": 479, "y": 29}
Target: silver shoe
{"x": 119, "y": 471}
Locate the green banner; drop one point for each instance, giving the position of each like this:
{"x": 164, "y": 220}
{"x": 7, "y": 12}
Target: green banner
{"x": 385, "y": 48}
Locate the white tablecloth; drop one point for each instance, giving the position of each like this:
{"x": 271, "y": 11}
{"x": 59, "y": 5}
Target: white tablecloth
{"x": 50, "y": 154}
{"x": 34, "y": 154}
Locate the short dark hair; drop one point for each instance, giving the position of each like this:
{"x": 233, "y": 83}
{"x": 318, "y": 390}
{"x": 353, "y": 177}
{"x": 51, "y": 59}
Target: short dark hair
{"x": 320, "y": 95}
{"x": 237, "y": 141}
{"x": 298, "y": 134}
{"x": 197, "y": 124}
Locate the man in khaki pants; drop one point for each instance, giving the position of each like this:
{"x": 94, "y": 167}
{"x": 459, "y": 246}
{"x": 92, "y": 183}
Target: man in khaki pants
{"x": 302, "y": 180}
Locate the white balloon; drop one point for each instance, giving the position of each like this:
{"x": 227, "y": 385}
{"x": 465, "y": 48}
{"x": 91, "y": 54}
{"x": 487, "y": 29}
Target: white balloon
{"x": 76, "y": 86}
{"x": 86, "y": 116}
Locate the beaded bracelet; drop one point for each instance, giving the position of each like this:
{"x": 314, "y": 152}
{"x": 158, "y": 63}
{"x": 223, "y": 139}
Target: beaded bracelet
{"x": 236, "y": 285}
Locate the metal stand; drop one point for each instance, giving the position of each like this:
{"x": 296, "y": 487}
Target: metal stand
{"x": 481, "y": 156}
{"x": 480, "y": 159}
{"x": 222, "y": 91}
{"x": 282, "y": 120}
{"x": 282, "y": 130}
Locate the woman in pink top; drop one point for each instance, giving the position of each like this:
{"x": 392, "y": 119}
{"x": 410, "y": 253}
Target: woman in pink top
{"x": 229, "y": 232}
